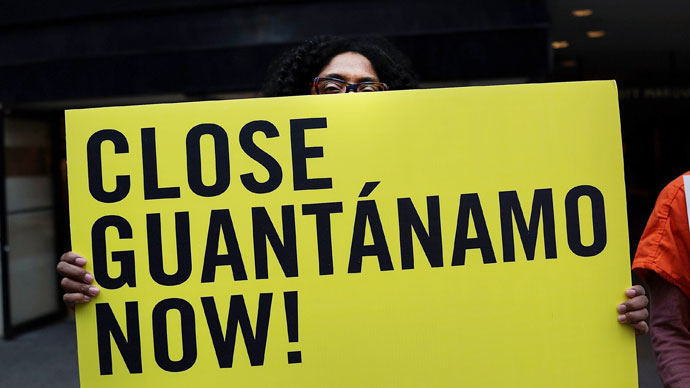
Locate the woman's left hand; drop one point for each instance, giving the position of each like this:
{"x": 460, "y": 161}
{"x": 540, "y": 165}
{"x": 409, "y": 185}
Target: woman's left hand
{"x": 634, "y": 311}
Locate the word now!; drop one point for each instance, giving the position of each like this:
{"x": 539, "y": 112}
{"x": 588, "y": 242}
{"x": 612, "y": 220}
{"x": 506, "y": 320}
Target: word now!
{"x": 223, "y": 339}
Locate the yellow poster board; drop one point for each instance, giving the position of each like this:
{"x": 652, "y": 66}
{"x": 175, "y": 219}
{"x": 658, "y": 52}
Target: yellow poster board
{"x": 472, "y": 237}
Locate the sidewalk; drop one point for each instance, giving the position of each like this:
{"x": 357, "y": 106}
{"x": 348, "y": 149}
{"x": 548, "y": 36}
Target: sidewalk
{"x": 41, "y": 358}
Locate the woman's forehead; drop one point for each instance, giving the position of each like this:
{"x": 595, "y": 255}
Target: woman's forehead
{"x": 351, "y": 67}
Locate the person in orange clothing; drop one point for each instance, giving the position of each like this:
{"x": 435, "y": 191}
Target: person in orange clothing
{"x": 663, "y": 261}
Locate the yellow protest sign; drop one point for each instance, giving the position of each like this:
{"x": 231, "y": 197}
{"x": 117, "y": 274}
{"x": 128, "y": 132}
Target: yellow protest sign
{"x": 450, "y": 237}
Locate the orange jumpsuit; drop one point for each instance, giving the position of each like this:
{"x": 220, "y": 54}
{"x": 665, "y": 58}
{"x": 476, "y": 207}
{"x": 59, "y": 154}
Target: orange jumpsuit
{"x": 663, "y": 260}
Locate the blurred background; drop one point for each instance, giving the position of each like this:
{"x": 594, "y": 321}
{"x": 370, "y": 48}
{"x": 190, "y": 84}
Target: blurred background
{"x": 61, "y": 55}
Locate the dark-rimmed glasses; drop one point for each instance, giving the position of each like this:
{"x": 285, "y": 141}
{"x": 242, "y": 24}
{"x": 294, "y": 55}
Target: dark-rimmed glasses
{"x": 326, "y": 85}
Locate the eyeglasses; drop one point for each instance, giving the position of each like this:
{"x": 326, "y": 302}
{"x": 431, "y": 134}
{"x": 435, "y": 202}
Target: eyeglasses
{"x": 325, "y": 85}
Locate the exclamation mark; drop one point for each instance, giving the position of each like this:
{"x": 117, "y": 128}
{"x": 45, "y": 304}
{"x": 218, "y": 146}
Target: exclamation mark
{"x": 294, "y": 357}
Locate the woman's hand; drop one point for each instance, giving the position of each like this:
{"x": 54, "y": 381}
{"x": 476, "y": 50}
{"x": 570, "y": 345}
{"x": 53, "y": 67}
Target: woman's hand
{"x": 76, "y": 281}
{"x": 634, "y": 311}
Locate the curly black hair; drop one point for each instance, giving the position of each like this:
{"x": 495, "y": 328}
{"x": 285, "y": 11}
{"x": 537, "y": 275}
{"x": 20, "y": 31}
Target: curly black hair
{"x": 293, "y": 72}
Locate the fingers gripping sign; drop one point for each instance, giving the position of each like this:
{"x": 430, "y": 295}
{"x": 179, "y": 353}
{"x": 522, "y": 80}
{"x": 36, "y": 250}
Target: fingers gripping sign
{"x": 76, "y": 280}
{"x": 634, "y": 311}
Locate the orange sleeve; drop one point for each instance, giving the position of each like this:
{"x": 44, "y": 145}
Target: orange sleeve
{"x": 665, "y": 244}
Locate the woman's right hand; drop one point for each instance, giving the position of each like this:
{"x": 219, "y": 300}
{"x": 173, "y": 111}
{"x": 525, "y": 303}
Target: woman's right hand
{"x": 76, "y": 281}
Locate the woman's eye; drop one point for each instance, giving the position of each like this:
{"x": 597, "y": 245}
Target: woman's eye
{"x": 368, "y": 88}
{"x": 331, "y": 88}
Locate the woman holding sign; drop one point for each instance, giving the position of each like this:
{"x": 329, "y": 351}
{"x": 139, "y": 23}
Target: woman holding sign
{"x": 326, "y": 65}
